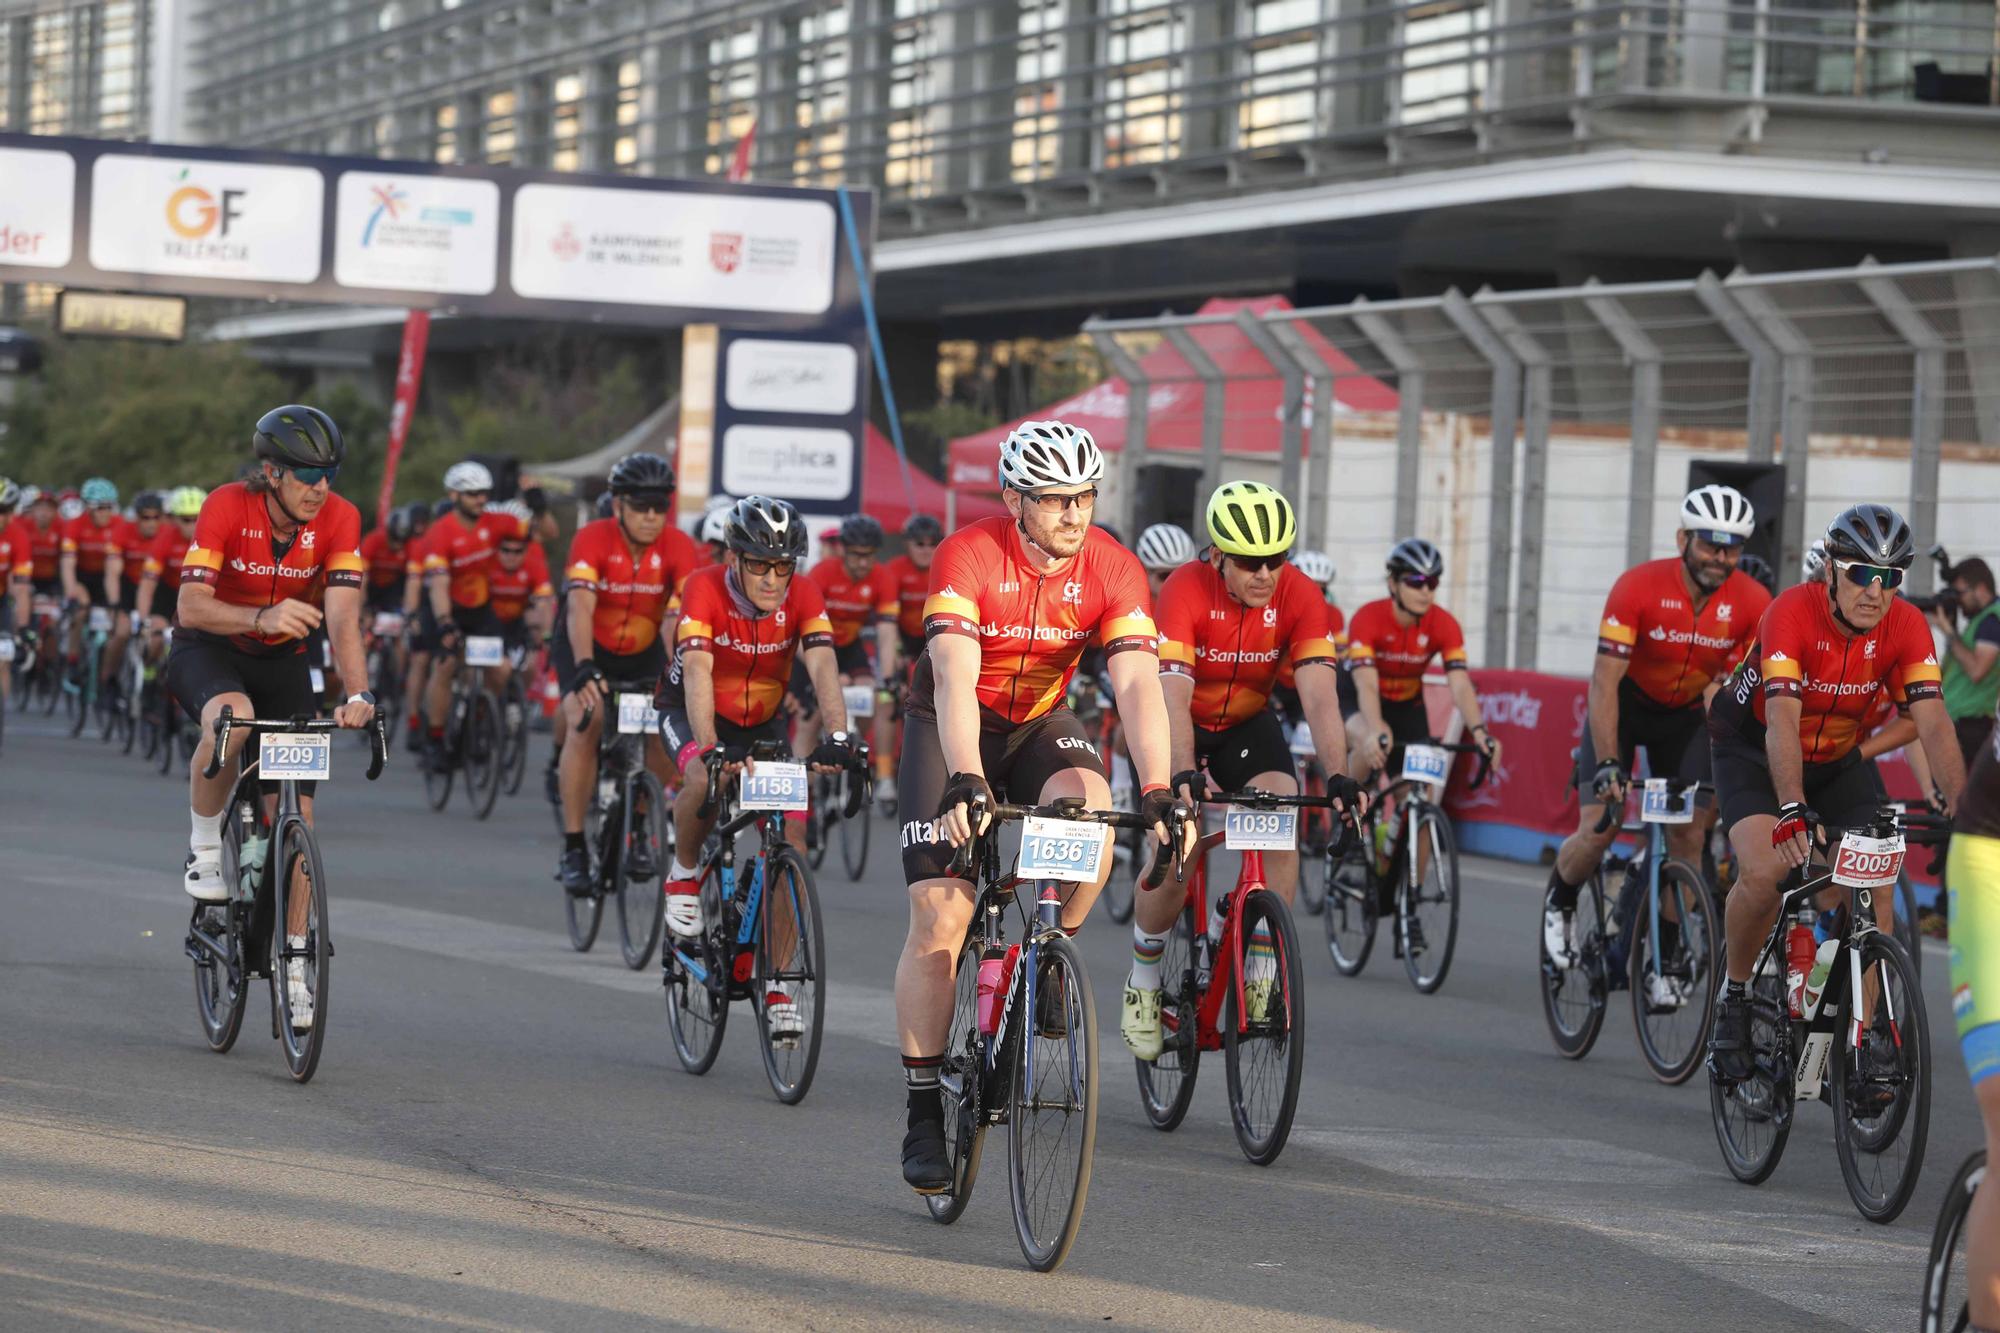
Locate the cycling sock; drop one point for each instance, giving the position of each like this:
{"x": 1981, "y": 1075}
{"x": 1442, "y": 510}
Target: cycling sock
{"x": 437, "y": 733}
{"x": 573, "y": 842}
{"x": 1733, "y": 990}
{"x": 920, "y": 1074}
{"x": 682, "y": 873}
{"x": 1215, "y": 919}
{"x": 1260, "y": 961}
{"x": 1562, "y": 894}
{"x": 206, "y": 829}
{"x": 1146, "y": 951}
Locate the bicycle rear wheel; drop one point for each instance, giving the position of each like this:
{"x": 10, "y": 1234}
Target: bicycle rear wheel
{"x": 853, "y": 832}
{"x": 1315, "y": 865}
{"x": 641, "y": 901}
{"x": 1944, "y": 1276}
{"x": 1118, "y": 895}
{"x": 438, "y": 772}
{"x": 1265, "y": 1054}
{"x": 789, "y": 1062}
{"x": 1573, "y": 992}
{"x": 1052, "y": 1104}
{"x": 1673, "y": 1003}
{"x": 1882, "y": 1117}
{"x": 480, "y": 747}
{"x": 1350, "y": 910}
{"x": 1430, "y": 915}
{"x": 819, "y": 820}
{"x": 1754, "y": 1118}
{"x": 1166, "y": 1085}
{"x": 962, "y": 1081}
{"x": 298, "y": 871}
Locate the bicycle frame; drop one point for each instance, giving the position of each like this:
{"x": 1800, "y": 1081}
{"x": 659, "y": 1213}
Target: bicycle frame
{"x": 1228, "y": 960}
{"x": 746, "y": 905}
{"x": 1812, "y": 1036}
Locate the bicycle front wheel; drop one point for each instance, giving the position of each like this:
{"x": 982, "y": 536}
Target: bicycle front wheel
{"x": 1052, "y": 1103}
{"x": 481, "y": 748}
{"x": 642, "y": 903}
{"x": 1574, "y": 989}
{"x": 791, "y": 959}
{"x": 1908, "y": 933}
{"x": 853, "y": 832}
{"x": 1350, "y": 911}
{"x": 1673, "y": 999}
{"x": 1882, "y": 1088}
{"x": 1753, "y": 1118}
{"x": 1945, "y": 1291}
{"x": 1263, "y": 1035}
{"x": 962, "y": 1082}
{"x": 514, "y": 732}
{"x": 1429, "y": 920}
{"x": 1166, "y": 1085}
{"x": 301, "y": 972}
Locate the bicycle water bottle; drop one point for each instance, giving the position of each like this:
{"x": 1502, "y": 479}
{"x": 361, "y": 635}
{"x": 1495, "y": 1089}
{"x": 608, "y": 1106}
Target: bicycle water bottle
{"x": 996, "y": 974}
{"x": 250, "y": 853}
{"x": 1822, "y": 968}
{"x": 1799, "y": 952}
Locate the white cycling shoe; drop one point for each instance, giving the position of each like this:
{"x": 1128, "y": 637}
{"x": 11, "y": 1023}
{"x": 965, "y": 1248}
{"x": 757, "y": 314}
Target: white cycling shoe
{"x": 1558, "y": 929}
{"x": 885, "y": 790}
{"x": 684, "y": 914}
{"x": 298, "y": 995}
{"x": 782, "y": 1013}
{"x": 202, "y": 875}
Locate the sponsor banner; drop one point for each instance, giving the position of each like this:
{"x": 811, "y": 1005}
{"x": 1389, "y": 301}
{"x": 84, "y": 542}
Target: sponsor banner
{"x": 409, "y": 378}
{"x": 37, "y": 207}
{"x": 767, "y": 375}
{"x": 790, "y": 462}
{"x": 196, "y": 218}
{"x": 1538, "y": 720}
{"x": 416, "y": 233}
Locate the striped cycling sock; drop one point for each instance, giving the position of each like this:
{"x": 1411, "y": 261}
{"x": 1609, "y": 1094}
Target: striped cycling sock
{"x": 1146, "y": 951}
{"x": 920, "y": 1074}
{"x": 1260, "y": 962}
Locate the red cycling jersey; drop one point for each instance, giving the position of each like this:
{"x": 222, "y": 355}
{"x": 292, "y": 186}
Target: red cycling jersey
{"x": 633, "y": 597}
{"x": 1801, "y": 653}
{"x": 1336, "y": 629}
{"x": 1031, "y": 628}
{"x": 467, "y": 552}
{"x": 134, "y": 544}
{"x": 387, "y": 561}
{"x": 163, "y": 560}
{"x": 751, "y": 650}
{"x": 1398, "y": 652}
{"x": 1672, "y": 651}
{"x": 233, "y": 552}
{"x": 851, "y": 604}
{"x": 514, "y": 588}
{"x": 913, "y": 586}
{"x": 1233, "y": 653}
{"x": 92, "y": 543}
{"x": 36, "y": 549}
{"x": 15, "y": 558}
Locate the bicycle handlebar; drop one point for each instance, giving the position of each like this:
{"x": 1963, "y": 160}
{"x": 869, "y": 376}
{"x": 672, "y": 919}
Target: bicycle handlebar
{"x": 227, "y": 721}
{"x": 1070, "y": 808}
{"x": 1268, "y": 800}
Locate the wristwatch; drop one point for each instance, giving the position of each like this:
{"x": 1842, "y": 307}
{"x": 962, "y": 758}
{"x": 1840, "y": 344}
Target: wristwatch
{"x": 363, "y": 697}
{"x": 837, "y": 737}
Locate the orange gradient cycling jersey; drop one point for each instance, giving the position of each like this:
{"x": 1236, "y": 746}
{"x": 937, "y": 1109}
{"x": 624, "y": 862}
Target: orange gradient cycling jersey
{"x": 1672, "y": 652}
{"x": 1336, "y": 629}
{"x": 134, "y": 544}
{"x": 234, "y": 553}
{"x": 387, "y": 562}
{"x": 163, "y": 560}
{"x": 466, "y": 551}
{"x": 92, "y": 545}
{"x": 513, "y": 589}
{"x": 1232, "y": 652}
{"x": 1031, "y": 628}
{"x": 633, "y": 593}
{"x": 1398, "y": 652}
{"x": 1801, "y": 653}
{"x": 751, "y": 650}
{"x": 851, "y": 605}
{"x": 913, "y": 586}
{"x": 36, "y": 549}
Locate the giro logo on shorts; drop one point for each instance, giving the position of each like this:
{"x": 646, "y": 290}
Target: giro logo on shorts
{"x": 922, "y": 833}
{"x": 1075, "y": 743}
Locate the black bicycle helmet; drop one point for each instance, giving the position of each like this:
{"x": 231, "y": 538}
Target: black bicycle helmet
{"x": 298, "y": 436}
{"x": 152, "y": 501}
{"x": 419, "y": 515}
{"x": 862, "y": 531}
{"x": 1873, "y": 534}
{"x": 923, "y": 528}
{"x": 399, "y": 525}
{"x": 1414, "y": 555}
{"x": 441, "y": 508}
{"x": 1758, "y": 569}
{"x": 642, "y": 472}
{"x": 604, "y": 505}
{"x": 767, "y": 529}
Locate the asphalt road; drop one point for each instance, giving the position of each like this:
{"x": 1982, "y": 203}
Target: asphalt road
{"x": 499, "y": 1134}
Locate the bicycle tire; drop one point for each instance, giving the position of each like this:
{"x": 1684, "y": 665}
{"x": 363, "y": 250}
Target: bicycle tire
{"x": 480, "y": 753}
{"x": 791, "y": 1078}
{"x": 78, "y": 696}
{"x": 697, "y": 1005}
{"x": 1753, "y": 1119}
{"x": 51, "y": 675}
{"x": 853, "y": 832}
{"x": 1350, "y": 912}
{"x": 1908, "y": 932}
{"x": 819, "y": 820}
{"x": 1944, "y": 1310}
{"x": 514, "y": 702}
{"x": 1424, "y": 913}
{"x": 1166, "y": 1085}
{"x": 298, "y": 849}
{"x": 962, "y": 1081}
{"x": 438, "y": 776}
{"x": 1574, "y": 998}
{"x": 219, "y": 1004}
{"x": 1673, "y": 1049}
{"x": 1047, "y": 1233}
{"x": 1905, "y": 1123}
{"x": 1261, "y": 1133}
{"x": 642, "y": 906}
{"x": 1315, "y": 870}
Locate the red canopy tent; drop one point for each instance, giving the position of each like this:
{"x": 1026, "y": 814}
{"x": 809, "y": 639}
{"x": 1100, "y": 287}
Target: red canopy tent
{"x": 1253, "y": 397}
{"x": 883, "y": 496}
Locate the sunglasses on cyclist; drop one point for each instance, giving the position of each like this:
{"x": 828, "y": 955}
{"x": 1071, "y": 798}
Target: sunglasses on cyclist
{"x": 1251, "y": 564}
{"x": 647, "y": 502}
{"x": 1861, "y": 575}
{"x": 860, "y": 552}
{"x": 1419, "y": 580}
{"x": 146, "y": 515}
{"x": 1056, "y": 504}
{"x": 513, "y": 548}
{"x": 757, "y": 569}
{"x": 313, "y": 476}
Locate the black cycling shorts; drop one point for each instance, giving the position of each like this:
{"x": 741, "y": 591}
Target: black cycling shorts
{"x": 647, "y": 665}
{"x": 515, "y": 633}
{"x": 1241, "y": 752}
{"x": 380, "y": 597}
{"x": 1019, "y": 761}
{"x": 677, "y": 734}
{"x": 1676, "y": 739}
{"x": 92, "y": 582}
{"x": 200, "y": 667}
{"x": 1845, "y": 793}
{"x": 471, "y": 620}
{"x": 851, "y": 659}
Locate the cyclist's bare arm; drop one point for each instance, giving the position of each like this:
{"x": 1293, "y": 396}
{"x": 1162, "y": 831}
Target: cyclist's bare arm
{"x": 413, "y": 591}
{"x": 1178, "y": 690}
{"x": 1940, "y": 747}
{"x": 198, "y": 609}
{"x": 955, "y": 660}
{"x": 1135, "y": 685}
{"x": 541, "y": 614}
{"x": 1368, "y": 694}
{"x": 582, "y": 610}
{"x": 1319, "y": 693}
{"x": 698, "y": 691}
{"x": 888, "y": 647}
{"x": 24, "y": 602}
{"x": 114, "y": 571}
{"x": 1604, "y": 678}
{"x": 823, "y": 669}
{"x": 1459, "y": 682}
{"x": 1888, "y": 739}
{"x": 350, "y": 655}
{"x": 437, "y": 583}
{"x": 66, "y": 565}
{"x": 149, "y": 587}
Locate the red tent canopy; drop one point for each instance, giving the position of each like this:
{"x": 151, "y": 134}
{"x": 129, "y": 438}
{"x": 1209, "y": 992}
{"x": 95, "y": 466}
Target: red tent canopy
{"x": 1253, "y": 397}
{"x": 883, "y": 496}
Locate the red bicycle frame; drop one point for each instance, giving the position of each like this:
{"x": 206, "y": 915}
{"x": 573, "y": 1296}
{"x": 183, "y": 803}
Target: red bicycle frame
{"x": 1227, "y": 965}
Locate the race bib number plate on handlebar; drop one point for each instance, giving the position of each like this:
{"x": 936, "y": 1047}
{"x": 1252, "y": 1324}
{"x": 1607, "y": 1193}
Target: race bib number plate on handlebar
{"x": 100, "y": 620}
{"x": 1867, "y": 863}
{"x": 6, "y": 647}
{"x": 860, "y": 700}
{"x": 306, "y": 756}
{"x": 1658, "y": 804}
{"x": 636, "y": 714}
{"x": 1065, "y": 849}
{"x": 774, "y": 786}
{"x": 387, "y": 624}
{"x": 1426, "y": 763}
{"x": 485, "y": 650}
{"x": 1252, "y": 830}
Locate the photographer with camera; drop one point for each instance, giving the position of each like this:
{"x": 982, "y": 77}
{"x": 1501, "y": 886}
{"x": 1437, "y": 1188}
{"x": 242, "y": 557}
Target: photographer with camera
{"x": 1971, "y": 682}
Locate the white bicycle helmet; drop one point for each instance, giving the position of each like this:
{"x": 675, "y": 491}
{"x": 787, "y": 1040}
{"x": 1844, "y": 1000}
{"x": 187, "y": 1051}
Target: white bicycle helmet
{"x": 518, "y": 509}
{"x": 1315, "y": 565}
{"x": 1164, "y": 547}
{"x": 1049, "y": 453}
{"x": 715, "y": 525}
{"x": 1814, "y": 564}
{"x": 468, "y": 476}
{"x": 1719, "y": 515}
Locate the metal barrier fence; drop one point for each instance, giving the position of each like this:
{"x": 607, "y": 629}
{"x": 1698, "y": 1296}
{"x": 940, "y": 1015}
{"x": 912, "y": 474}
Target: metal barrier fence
{"x": 1864, "y": 383}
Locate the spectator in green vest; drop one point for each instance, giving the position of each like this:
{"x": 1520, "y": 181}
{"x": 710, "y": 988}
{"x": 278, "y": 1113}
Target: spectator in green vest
{"x": 1971, "y": 681}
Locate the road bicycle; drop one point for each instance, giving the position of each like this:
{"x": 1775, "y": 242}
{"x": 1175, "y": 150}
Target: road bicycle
{"x": 471, "y": 732}
{"x": 1422, "y": 888}
{"x": 84, "y": 687}
{"x": 1204, "y": 1005}
{"x": 514, "y": 720}
{"x": 1662, "y": 941}
{"x": 761, "y": 939}
{"x": 1022, "y": 1050}
{"x": 386, "y": 664}
{"x": 1839, "y": 1020}
{"x": 1319, "y": 829}
{"x": 628, "y": 829}
{"x": 1944, "y": 1307}
{"x": 1922, "y": 827}
{"x": 251, "y": 934}
{"x": 830, "y": 798}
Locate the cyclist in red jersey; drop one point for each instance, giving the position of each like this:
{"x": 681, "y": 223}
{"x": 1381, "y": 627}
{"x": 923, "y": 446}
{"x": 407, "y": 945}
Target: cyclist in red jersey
{"x": 622, "y": 575}
{"x": 1389, "y": 644}
{"x": 860, "y": 595}
{"x": 36, "y": 539}
{"x": 1672, "y": 630}
{"x": 1786, "y": 735}
{"x": 162, "y": 567}
{"x": 387, "y": 553}
{"x": 1014, "y": 602}
{"x": 14, "y": 606}
{"x": 523, "y": 594}
{"x": 243, "y": 616}
{"x": 93, "y": 569}
{"x": 911, "y": 573}
{"x": 457, "y": 554}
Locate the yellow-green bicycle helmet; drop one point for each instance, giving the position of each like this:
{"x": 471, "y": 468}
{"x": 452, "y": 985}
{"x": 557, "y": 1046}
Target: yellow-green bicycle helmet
{"x": 1250, "y": 518}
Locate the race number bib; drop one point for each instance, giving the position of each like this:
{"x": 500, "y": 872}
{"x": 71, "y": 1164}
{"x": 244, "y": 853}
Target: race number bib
{"x": 774, "y": 786}
{"x": 485, "y": 650}
{"x": 100, "y": 620}
{"x": 860, "y": 700}
{"x": 6, "y": 647}
{"x": 306, "y": 756}
{"x": 1064, "y": 849}
{"x": 387, "y": 624}
{"x": 1867, "y": 863}
{"x": 1659, "y": 804}
{"x": 1260, "y": 830}
{"x": 636, "y": 714}
{"x": 1426, "y": 763}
